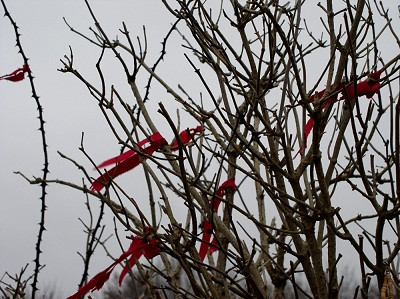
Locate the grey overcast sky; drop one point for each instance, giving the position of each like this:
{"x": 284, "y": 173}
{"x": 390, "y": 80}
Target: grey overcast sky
{"x": 69, "y": 110}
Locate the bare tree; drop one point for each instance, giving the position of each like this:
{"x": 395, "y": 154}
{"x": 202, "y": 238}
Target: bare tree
{"x": 268, "y": 136}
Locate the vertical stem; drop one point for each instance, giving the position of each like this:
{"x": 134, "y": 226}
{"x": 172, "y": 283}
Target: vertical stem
{"x": 45, "y": 169}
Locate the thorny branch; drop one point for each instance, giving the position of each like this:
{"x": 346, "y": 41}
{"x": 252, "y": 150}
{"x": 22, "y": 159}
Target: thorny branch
{"x": 45, "y": 169}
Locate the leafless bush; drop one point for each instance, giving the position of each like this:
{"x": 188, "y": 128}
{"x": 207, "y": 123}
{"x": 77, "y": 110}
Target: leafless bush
{"x": 288, "y": 140}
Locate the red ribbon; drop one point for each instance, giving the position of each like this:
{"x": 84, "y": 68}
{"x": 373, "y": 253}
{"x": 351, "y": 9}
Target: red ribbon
{"x": 17, "y": 75}
{"x": 365, "y": 88}
{"x": 130, "y": 159}
{"x": 149, "y": 250}
{"x": 138, "y": 247}
{"x": 186, "y": 136}
{"x": 206, "y": 246}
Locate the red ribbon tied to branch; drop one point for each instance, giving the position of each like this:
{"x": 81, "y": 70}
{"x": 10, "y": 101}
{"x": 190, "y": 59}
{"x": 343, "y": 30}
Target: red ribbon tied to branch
{"x": 130, "y": 159}
{"x": 186, "y": 136}
{"x": 206, "y": 246}
{"x": 365, "y": 88}
{"x": 17, "y": 75}
{"x": 139, "y": 246}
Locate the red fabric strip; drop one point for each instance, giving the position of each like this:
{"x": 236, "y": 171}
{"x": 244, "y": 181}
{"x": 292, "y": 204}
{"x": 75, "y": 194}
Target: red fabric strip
{"x": 205, "y": 240}
{"x": 310, "y": 122}
{"x": 186, "y": 136}
{"x": 136, "y": 242}
{"x": 207, "y": 227}
{"x": 17, "y": 75}
{"x": 127, "y": 154}
{"x": 364, "y": 88}
{"x": 149, "y": 250}
{"x": 152, "y": 249}
{"x": 136, "y": 249}
{"x": 97, "y": 282}
{"x": 156, "y": 142}
{"x": 130, "y": 159}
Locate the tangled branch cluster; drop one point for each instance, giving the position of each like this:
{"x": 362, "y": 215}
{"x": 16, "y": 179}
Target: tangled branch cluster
{"x": 282, "y": 220}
